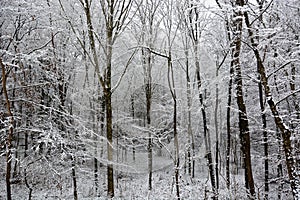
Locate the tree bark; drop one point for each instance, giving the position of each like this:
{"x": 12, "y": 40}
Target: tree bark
{"x": 9, "y": 137}
{"x": 217, "y": 130}
{"x": 243, "y": 118}
{"x": 263, "y": 116}
{"x": 176, "y": 143}
{"x": 74, "y": 179}
{"x": 191, "y": 148}
{"x": 228, "y": 126}
{"x": 208, "y": 153}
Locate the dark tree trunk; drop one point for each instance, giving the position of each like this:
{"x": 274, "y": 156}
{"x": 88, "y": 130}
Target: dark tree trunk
{"x": 108, "y": 103}
{"x": 263, "y": 115}
{"x": 195, "y": 34}
{"x": 191, "y": 147}
{"x": 132, "y": 115}
{"x": 146, "y": 55}
{"x": 102, "y": 121}
{"x": 148, "y": 113}
{"x": 176, "y": 143}
{"x": 243, "y": 118}
{"x": 110, "y": 171}
{"x": 217, "y": 130}
{"x": 279, "y": 166}
{"x": 75, "y": 194}
{"x": 228, "y": 126}
{"x": 205, "y": 128}
{"x": 265, "y": 140}
{"x": 9, "y": 137}
{"x": 94, "y": 118}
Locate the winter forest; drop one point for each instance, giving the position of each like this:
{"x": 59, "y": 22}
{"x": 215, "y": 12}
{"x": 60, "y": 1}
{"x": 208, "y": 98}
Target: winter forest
{"x": 150, "y": 99}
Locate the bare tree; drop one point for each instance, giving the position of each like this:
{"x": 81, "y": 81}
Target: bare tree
{"x": 196, "y": 28}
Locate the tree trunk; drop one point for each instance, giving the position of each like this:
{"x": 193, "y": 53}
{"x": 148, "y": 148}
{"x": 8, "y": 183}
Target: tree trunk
{"x": 110, "y": 170}
{"x": 94, "y": 118}
{"x": 74, "y": 178}
{"x": 217, "y": 130}
{"x": 263, "y": 115}
{"x": 176, "y": 143}
{"x": 228, "y": 109}
{"x": 279, "y": 166}
{"x": 265, "y": 139}
{"x": 106, "y": 81}
{"x": 243, "y": 118}
{"x": 208, "y": 153}
{"x": 102, "y": 121}
{"x": 195, "y": 29}
{"x": 132, "y": 115}
{"x": 191, "y": 147}
{"x": 9, "y": 137}
{"x": 148, "y": 91}
{"x": 228, "y": 125}
{"x": 107, "y": 94}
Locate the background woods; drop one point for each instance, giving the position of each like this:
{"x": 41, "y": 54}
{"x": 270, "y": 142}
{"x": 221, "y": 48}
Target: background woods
{"x": 197, "y": 99}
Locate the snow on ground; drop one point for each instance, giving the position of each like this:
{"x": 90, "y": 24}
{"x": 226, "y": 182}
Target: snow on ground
{"x": 131, "y": 182}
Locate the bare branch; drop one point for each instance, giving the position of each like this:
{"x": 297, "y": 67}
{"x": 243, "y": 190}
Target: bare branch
{"x": 279, "y": 68}
{"x": 124, "y": 71}
{"x": 292, "y": 94}
{"x": 43, "y": 45}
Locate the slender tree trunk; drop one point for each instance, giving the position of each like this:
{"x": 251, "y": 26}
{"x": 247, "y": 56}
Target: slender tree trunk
{"x": 74, "y": 179}
{"x": 147, "y": 64}
{"x": 148, "y": 91}
{"x": 217, "y": 130}
{"x": 263, "y": 116}
{"x": 205, "y": 128}
{"x": 107, "y": 93}
{"x": 110, "y": 170}
{"x": 102, "y": 121}
{"x": 243, "y": 118}
{"x": 106, "y": 81}
{"x": 195, "y": 29}
{"x": 176, "y": 143}
{"x": 279, "y": 166}
{"x": 229, "y": 97}
{"x": 149, "y": 147}
{"x": 297, "y": 113}
{"x": 191, "y": 147}
{"x": 9, "y": 137}
{"x": 132, "y": 115}
{"x": 228, "y": 109}
{"x": 96, "y": 181}
{"x": 265, "y": 140}
{"x": 228, "y": 126}
{"x": 73, "y": 160}
{"x": 25, "y": 156}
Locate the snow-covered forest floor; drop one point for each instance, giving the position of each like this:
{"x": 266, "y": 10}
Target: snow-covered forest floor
{"x": 131, "y": 181}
